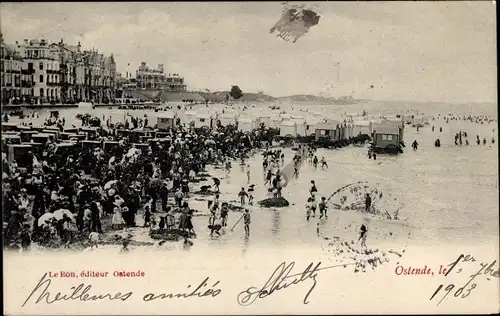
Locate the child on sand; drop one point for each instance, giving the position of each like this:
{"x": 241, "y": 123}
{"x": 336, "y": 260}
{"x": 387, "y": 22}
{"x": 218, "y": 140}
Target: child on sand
{"x": 94, "y": 239}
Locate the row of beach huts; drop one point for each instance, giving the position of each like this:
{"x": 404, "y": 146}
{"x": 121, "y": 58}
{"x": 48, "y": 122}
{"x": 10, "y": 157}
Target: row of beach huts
{"x": 385, "y": 131}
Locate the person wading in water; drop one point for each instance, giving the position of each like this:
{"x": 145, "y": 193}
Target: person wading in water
{"x": 247, "y": 221}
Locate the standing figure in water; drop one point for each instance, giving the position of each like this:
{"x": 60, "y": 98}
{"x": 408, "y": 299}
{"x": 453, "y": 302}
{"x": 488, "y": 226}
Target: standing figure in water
{"x": 368, "y": 202}
{"x": 362, "y": 235}
{"x": 323, "y": 208}
{"x": 414, "y": 145}
{"x": 308, "y": 208}
{"x": 247, "y": 221}
{"x": 242, "y": 195}
{"x": 323, "y": 163}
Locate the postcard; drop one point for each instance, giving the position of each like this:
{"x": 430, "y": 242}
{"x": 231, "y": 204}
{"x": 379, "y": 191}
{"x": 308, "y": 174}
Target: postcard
{"x": 176, "y": 158}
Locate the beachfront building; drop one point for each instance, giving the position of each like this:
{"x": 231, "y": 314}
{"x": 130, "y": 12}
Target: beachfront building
{"x": 174, "y": 82}
{"x": 62, "y": 73}
{"x": 148, "y": 77}
{"x": 96, "y": 77}
{"x": 156, "y": 78}
{"x": 15, "y": 84}
{"x": 43, "y": 63}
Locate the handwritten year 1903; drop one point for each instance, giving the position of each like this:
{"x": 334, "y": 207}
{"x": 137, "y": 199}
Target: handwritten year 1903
{"x": 465, "y": 290}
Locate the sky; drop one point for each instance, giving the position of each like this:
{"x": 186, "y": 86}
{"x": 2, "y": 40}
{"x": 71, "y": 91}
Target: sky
{"x": 422, "y": 51}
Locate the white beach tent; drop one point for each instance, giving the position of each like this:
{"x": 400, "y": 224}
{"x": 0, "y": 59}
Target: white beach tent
{"x": 311, "y": 122}
{"x": 246, "y": 124}
{"x": 166, "y": 120}
{"x": 227, "y": 119}
{"x": 188, "y": 117}
{"x": 203, "y": 119}
{"x": 288, "y": 128}
{"x": 275, "y": 122}
{"x": 409, "y": 117}
{"x": 262, "y": 119}
{"x": 301, "y": 126}
{"x": 419, "y": 120}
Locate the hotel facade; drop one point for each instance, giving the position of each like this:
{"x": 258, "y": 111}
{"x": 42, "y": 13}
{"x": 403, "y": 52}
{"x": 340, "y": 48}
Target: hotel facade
{"x": 36, "y": 72}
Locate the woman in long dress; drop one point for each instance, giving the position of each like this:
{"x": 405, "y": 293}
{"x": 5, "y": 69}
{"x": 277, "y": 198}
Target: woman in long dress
{"x": 117, "y": 221}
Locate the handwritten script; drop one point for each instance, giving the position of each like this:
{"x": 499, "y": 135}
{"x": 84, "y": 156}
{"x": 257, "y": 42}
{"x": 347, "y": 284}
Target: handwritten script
{"x": 482, "y": 270}
{"x": 282, "y": 278}
{"x": 41, "y": 293}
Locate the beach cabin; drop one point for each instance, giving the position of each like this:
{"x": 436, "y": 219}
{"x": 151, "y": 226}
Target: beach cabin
{"x": 89, "y": 131}
{"x": 288, "y": 128}
{"x": 225, "y": 119}
{"x": 41, "y": 138}
{"x": 246, "y": 124}
{"x": 11, "y": 139}
{"x": 91, "y": 144}
{"x": 387, "y": 134}
{"x": 18, "y": 153}
{"x": 73, "y": 130}
{"x": 362, "y": 127}
{"x": 161, "y": 134}
{"x": 166, "y": 120}
{"x": 419, "y": 120}
{"x": 328, "y": 129}
{"x": 26, "y": 135}
{"x": 56, "y": 133}
{"x": 109, "y": 145}
{"x": 6, "y": 127}
{"x": 65, "y": 148}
